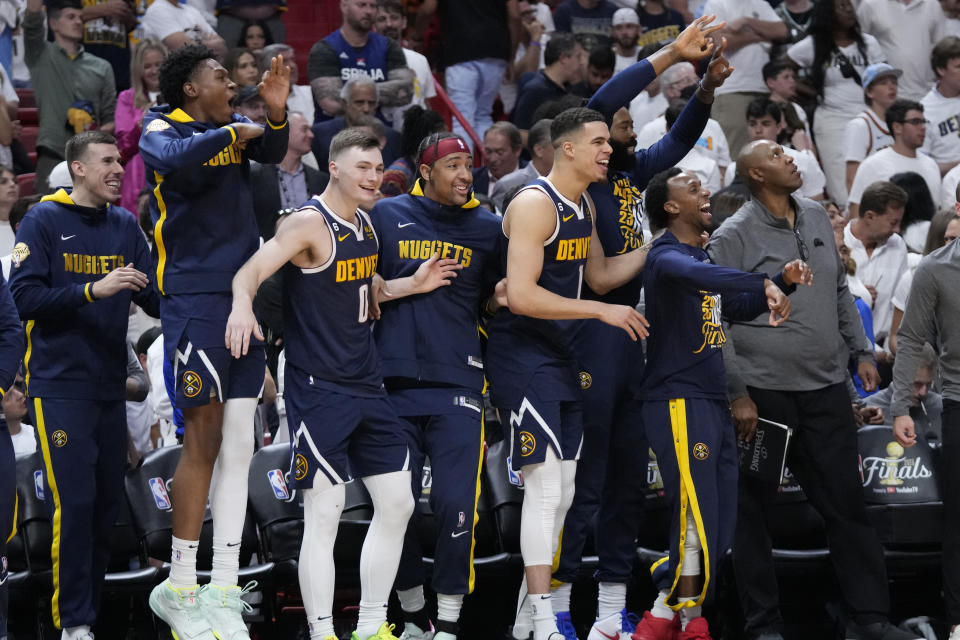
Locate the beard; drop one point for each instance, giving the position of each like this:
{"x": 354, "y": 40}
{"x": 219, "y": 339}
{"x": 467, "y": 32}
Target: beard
{"x": 622, "y": 159}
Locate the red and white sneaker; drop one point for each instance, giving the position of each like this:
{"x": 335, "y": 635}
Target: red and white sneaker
{"x": 697, "y": 629}
{"x": 651, "y": 627}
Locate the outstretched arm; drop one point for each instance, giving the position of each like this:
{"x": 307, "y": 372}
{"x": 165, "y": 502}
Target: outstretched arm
{"x": 304, "y": 234}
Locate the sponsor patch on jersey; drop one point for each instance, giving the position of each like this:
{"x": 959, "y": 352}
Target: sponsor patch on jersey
{"x": 20, "y": 253}
{"x": 701, "y": 451}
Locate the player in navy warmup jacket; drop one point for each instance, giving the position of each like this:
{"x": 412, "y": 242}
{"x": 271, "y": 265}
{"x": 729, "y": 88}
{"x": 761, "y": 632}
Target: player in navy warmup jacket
{"x": 197, "y": 154}
{"x": 684, "y": 396}
{"x": 77, "y": 264}
{"x": 552, "y": 249}
{"x": 432, "y": 361}
{"x": 11, "y": 351}
{"x": 341, "y": 422}
{"x": 609, "y": 490}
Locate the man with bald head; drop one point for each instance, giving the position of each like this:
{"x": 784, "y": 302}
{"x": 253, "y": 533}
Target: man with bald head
{"x": 796, "y": 376}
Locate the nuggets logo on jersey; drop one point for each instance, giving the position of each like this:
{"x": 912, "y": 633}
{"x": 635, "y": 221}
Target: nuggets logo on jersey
{"x": 712, "y": 327}
{"x": 586, "y": 380}
{"x": 301, "y": 468}
{"x": 424, "y": 249}
{"x": 229, "y": 155}
{"x": 91, "y": 265}
{"x": 192, "y": 384}
{"x": 528, "y": 444}
{"x": 20, "y": 253}
{"x": 701, "y": 451}
{"x": 59, "y": 438}
{"x": 631, "y": 212}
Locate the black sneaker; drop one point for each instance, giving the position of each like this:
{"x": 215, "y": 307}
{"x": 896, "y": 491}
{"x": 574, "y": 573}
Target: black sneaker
{"x": 879, "y": 631}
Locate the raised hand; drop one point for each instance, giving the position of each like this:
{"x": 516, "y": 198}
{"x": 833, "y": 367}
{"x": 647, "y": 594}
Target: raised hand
{"x": 694, "y": 43}
{"x": 718, "y": 70}
{"x": 798, "y": 272}
{"x": 274, "y": 87}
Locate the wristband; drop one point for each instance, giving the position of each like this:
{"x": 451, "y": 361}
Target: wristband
{"x": 704, "y": 89}
{"x": 535, "y": 42}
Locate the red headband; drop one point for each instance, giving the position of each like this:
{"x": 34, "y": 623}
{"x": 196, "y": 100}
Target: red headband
{"x": 443, "y": 148}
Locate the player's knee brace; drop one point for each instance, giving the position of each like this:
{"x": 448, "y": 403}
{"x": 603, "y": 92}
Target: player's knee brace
{"x": 691, "y": 549}
{"x": 392, "y": 497}
{"x": 542, "y": 499}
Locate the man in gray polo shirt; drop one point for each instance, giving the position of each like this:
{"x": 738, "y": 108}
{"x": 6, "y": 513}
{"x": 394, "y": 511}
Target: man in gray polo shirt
{"x": 797, "y": 377}
{"x": 75, "y": 90}
{"x": 931, "y": 316}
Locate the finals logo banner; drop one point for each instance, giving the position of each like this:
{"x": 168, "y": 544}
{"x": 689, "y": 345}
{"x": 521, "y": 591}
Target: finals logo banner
{"x": 892, "y": 474}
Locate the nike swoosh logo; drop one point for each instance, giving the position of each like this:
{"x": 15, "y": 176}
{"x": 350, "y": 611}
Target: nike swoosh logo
{"x": 63, "y": 237}
{"x": 343, "y": 237}
{"x": 404, "y": 224}
{"x": 615, "y": 636}
{"x": 457, "y": 535}
{"x": 565, "y": 218}
{"x": 235, "y": 544}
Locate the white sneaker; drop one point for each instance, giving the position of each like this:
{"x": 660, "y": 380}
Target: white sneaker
{"x": 180, "y": 609}
{"x": 955, "y": 634}
{"x": 413, "y": 632}
{"x": 606, "y": 628}
{"x": 224, "y": 607}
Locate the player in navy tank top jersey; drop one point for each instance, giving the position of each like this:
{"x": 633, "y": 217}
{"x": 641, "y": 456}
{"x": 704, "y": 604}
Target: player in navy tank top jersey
{"x": 341, "y": 422}
{"x": 552, "y": 250}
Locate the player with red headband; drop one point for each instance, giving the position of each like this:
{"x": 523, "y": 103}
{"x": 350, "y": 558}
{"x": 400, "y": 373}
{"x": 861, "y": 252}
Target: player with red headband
{"x": 432, "y": 364}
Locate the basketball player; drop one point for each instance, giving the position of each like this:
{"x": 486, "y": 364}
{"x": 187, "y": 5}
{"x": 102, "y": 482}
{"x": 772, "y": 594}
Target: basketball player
{"x": 340, "y": 419}
{"x": 432, "y": 360}
{"x": 197, "y": 153}
{"x": 552, "y": 249}
{"x": 684, "y": 397}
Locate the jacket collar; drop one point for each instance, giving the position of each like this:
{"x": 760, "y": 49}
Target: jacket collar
{"x": 769, "y": 219}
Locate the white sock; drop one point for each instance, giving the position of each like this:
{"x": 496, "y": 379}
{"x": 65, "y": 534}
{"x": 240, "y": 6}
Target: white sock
{"x": 611, "y": 598}
{"x": 412, "y": 600}
{"x": 322, "y": 506}
{"x": 371, "y": 618}
{"x": 226, "y": 562}
{"x": 183, "y": 563}
{"x": 544, "y": 620}
{"x": 689, "y": 613}
{"x": 522, "y": 625}
{"x": 561, "y": 597}
{"x": 660, "y": 608}
{"x": 448, "y": 607}
{"x": 228, "y": 488}
{"x": 73, "y": 633}
{"x": 443, "y": 635}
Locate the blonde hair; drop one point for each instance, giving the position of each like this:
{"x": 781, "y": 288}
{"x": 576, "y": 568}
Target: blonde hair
{"x": 140, "y": 97}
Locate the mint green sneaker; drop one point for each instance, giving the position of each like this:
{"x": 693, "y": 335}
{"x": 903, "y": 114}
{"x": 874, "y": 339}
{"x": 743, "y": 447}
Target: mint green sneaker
{"x": 180, "y": 609}
{"x": 224, "y": 607}
{"x": 385, "y": 632}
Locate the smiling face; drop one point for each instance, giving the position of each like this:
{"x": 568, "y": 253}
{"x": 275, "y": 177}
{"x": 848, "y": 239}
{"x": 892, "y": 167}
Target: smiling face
{"x": 449, "y": 180}
{"x": 99, "y": 173}
{"x": 152, "y": 60}
{"x": 358, "y": 173}
{"x": 588, "y": 150}
{"x": 688, "y": 203}
{"x": 212, "y": 91}
{"x": 390, "y": 23}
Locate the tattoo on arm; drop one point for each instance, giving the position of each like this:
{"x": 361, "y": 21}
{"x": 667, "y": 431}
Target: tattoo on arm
{"x": 326, "y": 93}
{"x": 398, "y": 89}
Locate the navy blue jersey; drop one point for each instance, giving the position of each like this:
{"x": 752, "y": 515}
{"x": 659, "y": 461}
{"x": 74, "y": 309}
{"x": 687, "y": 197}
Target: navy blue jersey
{"x": 433, "y": 337}
{"x": 619, "y": 207}
{"x": 76, "y": 344}
{"x": 326, "y": 329}
{"x": 11, "y": 339}
{"x": 201, "y": 203}
{"x": 520, "y": 345}
{"x": 687, "y": 299}
{"x": 368, "y": 61}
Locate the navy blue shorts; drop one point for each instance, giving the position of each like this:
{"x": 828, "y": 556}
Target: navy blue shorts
{"x": 340, "y": 434}
{"x": 203, "y": 369}
{"x": 541, "y": 421}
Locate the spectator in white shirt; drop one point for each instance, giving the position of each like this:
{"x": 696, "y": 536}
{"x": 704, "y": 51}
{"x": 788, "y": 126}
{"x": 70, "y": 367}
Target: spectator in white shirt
{"x": 919, "y": 211}
{"x": 392, "y": 22}
{"x": 650, "y": 102}
{"x": 703, "y": 166}
{"x": 906, "y": 122}
{"x": 780, "y": 76}
{"x": 177, "y": 25}
{"x": 907, "y": 31}
{"x": 942, "y": 105}
{"x": 752, "y": 25}
{"x": 765, "y": 122}
{"x": 867, "y": 133}
{"x": 626, "y": 29}
{"x": 877, "y": 248}
{"x": 836, "y": 55}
